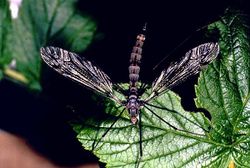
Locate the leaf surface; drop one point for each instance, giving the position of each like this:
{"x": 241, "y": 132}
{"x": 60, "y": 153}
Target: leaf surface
{"x": 41, "y": 23}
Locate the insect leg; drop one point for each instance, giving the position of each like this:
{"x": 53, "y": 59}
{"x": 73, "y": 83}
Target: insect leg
{"x": 176, "y": 112}
{"x": 140, "y": 141}
{"x": 140, "y": 132}
{"x": 105, "y": 133}
{"x": 170, "y": 125}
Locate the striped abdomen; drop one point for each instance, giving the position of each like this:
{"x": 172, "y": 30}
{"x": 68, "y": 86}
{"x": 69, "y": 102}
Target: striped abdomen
{"x": 134, "y": 67}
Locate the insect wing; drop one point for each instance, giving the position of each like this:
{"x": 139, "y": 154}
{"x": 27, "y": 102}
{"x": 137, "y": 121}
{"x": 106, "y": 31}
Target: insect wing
{"x": 189, "y": 65}
{"x": 79, "y": 69}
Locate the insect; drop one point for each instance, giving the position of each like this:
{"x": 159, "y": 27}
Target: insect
{"x": 89, "y": 75}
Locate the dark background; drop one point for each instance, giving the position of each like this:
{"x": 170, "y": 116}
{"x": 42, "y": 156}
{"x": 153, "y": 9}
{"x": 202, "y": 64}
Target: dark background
{"x": 42, "y": 118}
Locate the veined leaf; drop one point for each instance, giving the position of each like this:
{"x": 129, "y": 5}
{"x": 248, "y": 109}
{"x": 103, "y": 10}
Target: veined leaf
{"x": 41, "y": 23}
{"x": 161, "y": 144}
{"x": 223, "y": 90}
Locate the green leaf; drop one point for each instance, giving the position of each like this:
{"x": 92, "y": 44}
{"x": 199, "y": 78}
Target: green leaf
{"x": 160, "y": 143}
{"x": 5, "y": 25}
{"x": 43, "y": 23}
{"x": 222, "y": 89}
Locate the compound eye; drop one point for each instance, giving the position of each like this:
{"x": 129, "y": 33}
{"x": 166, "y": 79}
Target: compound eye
{"x": 134, "y": 120}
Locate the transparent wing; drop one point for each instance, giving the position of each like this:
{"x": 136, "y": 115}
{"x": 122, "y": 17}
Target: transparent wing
{"x": 79, "y": 69}
{"x": 189, "y": 65}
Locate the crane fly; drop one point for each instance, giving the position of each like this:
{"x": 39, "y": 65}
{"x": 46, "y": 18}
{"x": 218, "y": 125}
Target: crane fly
{"x": 81, "y": 70}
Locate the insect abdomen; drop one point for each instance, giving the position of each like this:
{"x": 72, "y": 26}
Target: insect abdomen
{"x": 135, "y": 60}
